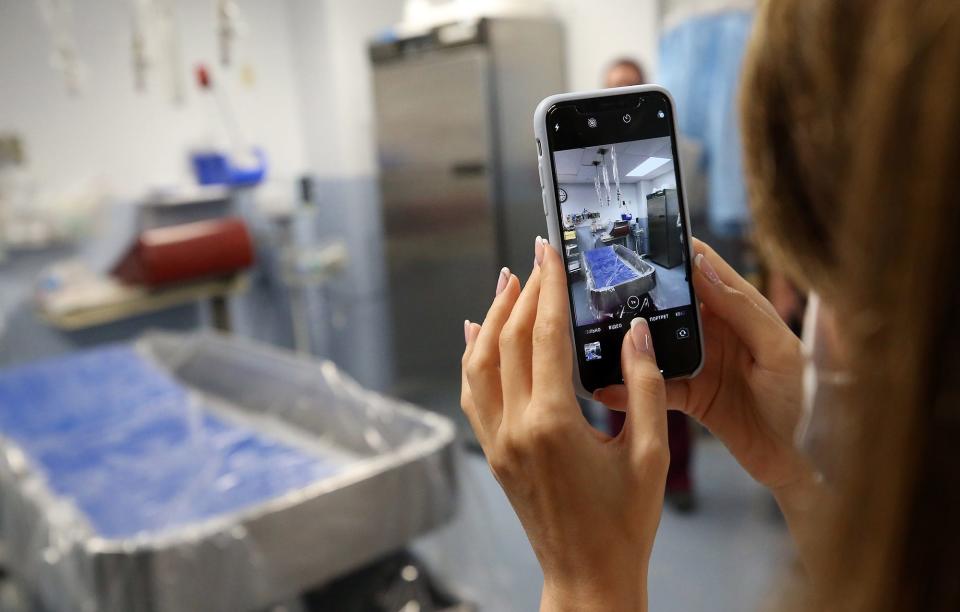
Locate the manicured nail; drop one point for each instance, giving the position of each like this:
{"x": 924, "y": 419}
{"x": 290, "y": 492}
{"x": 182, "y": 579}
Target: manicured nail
{"x": 707, "y": 269}
{"x": 502, "y": 280}
{"x": 598, "y": 395}
{"x": 538, "y": 250}
{"x": 466, "y": 330}
{"x": 640, "y": 334}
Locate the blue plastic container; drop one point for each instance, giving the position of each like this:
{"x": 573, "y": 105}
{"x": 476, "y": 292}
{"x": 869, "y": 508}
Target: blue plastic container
{"x": 216, "y": 168}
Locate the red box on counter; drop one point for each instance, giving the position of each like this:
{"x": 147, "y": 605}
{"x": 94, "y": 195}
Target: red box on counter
{"x": 192, "y": 251}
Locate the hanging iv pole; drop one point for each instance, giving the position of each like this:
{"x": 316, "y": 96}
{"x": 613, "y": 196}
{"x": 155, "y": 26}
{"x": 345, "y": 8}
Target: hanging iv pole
{"x": 58, "y": 17}
{"x": 596, "y": 183}
{"x": 606, "y": 176}
{"x": 616, "y": 174}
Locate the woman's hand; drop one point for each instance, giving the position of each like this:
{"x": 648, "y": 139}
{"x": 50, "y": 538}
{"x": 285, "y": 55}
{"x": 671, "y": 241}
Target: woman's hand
{"x": 749, "y": 391}
{"x": 590, "y": 504}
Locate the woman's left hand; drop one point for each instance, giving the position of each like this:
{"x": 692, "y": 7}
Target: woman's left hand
{"x": 590, "y": 504}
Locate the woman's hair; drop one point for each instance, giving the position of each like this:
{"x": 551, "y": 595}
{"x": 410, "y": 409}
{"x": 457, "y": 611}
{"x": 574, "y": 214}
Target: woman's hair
{"x": 851, "y": 119}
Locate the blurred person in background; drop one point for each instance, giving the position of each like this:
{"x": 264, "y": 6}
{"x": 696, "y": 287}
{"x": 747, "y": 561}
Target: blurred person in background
{"x": 625, "y": 72}
{"x": 855, "y": 435}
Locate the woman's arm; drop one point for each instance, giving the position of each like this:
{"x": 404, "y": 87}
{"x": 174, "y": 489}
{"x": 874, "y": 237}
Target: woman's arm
{"x": 561, "y": 598}
{"x": 796, "y": 501}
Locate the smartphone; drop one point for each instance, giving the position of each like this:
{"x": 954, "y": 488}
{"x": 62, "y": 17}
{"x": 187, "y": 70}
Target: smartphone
{"x": 613, "y": 199}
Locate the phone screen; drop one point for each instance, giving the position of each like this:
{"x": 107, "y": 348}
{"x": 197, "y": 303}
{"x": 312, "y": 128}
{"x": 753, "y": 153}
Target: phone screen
{"x": 623, "y": 231}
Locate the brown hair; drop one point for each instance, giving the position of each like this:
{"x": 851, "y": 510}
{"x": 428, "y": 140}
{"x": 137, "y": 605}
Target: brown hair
{"x": 851, "y": 119}
{"x": 630, "y": 63}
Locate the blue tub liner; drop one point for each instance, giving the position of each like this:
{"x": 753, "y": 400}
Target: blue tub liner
{"x": 607, "y": 268}
{"x": 137, "y": 452}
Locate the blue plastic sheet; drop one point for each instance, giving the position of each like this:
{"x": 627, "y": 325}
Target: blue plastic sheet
{"x": 607, "y": 268}
{"x": 135, "y": 451}
{"x": 700, "y": 63}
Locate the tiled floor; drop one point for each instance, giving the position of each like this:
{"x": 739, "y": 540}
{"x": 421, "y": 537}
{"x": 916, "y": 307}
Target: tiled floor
{"x": 671, "y": 290}
{"x": 725, "y": 557}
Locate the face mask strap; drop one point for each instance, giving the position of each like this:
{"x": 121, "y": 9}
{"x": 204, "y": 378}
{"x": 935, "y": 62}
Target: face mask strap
{"x": 807, "y": 436}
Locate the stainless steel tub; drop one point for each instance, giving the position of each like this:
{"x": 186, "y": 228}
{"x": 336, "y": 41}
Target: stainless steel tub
{"x": 394, "y": 479}
{"x": 608, "y": 294}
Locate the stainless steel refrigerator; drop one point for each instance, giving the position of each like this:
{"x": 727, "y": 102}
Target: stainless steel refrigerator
{"x": 665, "y": 234}
{"x": 459, "y": 183}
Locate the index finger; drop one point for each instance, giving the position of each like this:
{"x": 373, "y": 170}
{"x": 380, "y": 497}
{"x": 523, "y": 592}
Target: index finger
{"x": 732, "y": 278}
{"x": 483, "y": 368}
{"x": 467, "y": 402}
{"x": 552, "y": 353}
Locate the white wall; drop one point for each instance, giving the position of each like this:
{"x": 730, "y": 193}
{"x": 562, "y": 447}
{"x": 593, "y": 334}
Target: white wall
{"x": 330, "y": 39}
{"x": 584, "y": 195}
{"x": 667, "y": 180}
{"x": 598, "y": 32}
{"x": 310, "y": 107}
{"x": 135, "y": 140}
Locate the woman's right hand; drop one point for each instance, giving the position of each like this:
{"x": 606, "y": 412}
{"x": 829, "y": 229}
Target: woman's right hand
{"x": 749, "y": 391}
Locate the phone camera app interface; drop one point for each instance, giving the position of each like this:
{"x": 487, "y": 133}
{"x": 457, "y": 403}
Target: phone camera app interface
{"x": 592, "y": 351}
{"x": 623, "y": 239}
{"x": 622, "y": 231}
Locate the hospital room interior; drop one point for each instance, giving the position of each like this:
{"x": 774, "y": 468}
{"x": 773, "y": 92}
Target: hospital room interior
{"x": 616, "y": 200}
{"x": 238, "y": 242}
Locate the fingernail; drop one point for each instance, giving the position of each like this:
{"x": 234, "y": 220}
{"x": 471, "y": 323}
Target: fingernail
{"x": 640, "y": 334}
{"x": 597, "y": 395}
{"x": 707, "y": 269}
{"x": 538, "y": 250}
{"x": 502, "y": 281}
{"x": 466, "y": 330}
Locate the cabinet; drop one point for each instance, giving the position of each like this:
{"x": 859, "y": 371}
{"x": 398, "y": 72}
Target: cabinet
{"x": 665, "y": 231}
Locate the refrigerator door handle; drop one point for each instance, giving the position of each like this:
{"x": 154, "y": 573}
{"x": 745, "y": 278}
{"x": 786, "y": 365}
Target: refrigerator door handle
{"x": 469, "y": 169}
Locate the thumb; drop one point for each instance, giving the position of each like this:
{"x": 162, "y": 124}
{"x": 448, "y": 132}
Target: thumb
{"x": 646, "y": 392}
